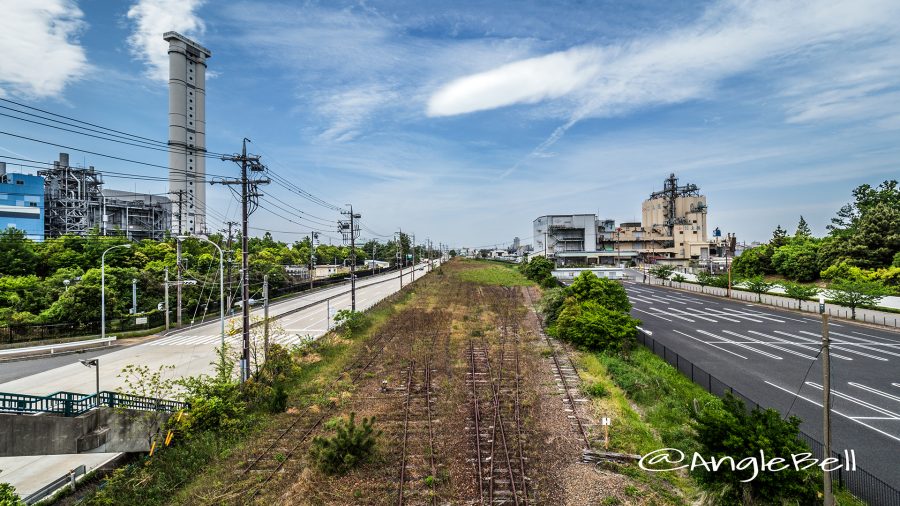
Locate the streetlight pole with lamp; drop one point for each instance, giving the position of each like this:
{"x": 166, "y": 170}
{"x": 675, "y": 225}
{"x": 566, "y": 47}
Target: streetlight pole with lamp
{"x": 221, "y": 287}
{"x": 95, "y": 363}
{"x": 103, "y": 288}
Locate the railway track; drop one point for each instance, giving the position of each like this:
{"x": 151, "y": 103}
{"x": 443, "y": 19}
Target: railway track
{"x": 567, "y": 378}
{"x": 417, "y": 453}
{"x": 271, "y": 460}
{"x": 496, "y": 421}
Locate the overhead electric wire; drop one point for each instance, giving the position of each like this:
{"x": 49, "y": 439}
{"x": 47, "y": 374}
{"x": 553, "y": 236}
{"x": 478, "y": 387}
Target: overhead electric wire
{"x": 107, "y": 129}
{"x": 164, "y": 148}
{"x": 94, "y": 152}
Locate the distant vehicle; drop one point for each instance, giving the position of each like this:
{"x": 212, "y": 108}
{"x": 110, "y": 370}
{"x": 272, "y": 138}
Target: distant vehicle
{"x": 252, "y": 301}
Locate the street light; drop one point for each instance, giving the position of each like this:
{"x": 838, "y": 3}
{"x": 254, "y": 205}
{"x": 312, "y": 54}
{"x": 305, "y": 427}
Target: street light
{"x": 221, "y": 287}
{"x": 66, "y": 283}
{"x": 103, "y": 288}
{"x": 94, "y": 362}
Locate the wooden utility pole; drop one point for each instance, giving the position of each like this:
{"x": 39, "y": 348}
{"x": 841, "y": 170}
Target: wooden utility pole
{"x": 167, "y": 298}
{"x": 266, "y": 316}
{"x": 342, "y": 225}
{"x": 178, "y": 282}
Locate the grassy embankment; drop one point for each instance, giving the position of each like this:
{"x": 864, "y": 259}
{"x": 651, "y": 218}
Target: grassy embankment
{"x": 204, "y": 459}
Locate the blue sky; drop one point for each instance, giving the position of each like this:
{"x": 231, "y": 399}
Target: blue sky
{"x": 463, "y": 121}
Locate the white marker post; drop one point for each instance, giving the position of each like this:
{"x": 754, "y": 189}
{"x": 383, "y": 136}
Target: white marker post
{"x": 605, "y": 422}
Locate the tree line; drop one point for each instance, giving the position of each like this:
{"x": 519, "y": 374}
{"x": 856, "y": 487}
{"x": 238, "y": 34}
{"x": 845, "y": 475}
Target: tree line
{"x": 59, "y": 280}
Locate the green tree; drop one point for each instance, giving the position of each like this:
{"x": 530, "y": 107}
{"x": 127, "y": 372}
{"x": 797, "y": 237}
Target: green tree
{"x": 727, "y": 430}
{"x": 797, "y": 260}
{"x": 679, "y": 278}
{"x": 594, "y": 327}
{"x": 876, "y": 239}
{"x": 8, "y": 496}
{"x": 798, "y": 292}
{"x": 866, "y": 198}
{"x": 540, "y": 270}
{"x": 753, "y": 262}
{"x": 704, "y": 278}
{"x": 609, "y": 294}
{"x": 803, "y": 231}
{"x": 552, "y": 303}
{"x": 350, "y": 446}
{"x": 759, "y": 286}
{"x": 779, "y": 237}
{"x": 662, "y": 271}
{"x": 17, "y": 255}
{"x": 854, "y": 293}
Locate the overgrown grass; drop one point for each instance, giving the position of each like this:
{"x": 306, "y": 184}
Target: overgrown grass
{"x": 491, "y": 273}
{"x": 200, "y": 465}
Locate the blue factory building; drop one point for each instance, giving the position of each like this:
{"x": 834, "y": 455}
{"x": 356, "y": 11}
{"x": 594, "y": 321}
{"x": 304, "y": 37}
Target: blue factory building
{"x": 22, "y": 203}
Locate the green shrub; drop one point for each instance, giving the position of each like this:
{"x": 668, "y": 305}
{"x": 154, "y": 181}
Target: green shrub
{"x": 351, "y": 322}
{"x": 8, "y": 495}
{"x": 593, "y": 326}
{"x": 596, "y": 390}
{"x": 609, "y": 294}
{"x": 678, "y": 278}
{"x": 729, "y": 430}
{"x": 552, "y": 303}
{"x": 351, "y": 445}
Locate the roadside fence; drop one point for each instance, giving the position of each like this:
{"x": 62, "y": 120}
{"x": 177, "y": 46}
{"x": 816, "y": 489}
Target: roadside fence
{"x": 859, "y": 482}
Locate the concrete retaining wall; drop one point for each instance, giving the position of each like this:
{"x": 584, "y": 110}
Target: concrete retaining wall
{"x": 99, "y": 430}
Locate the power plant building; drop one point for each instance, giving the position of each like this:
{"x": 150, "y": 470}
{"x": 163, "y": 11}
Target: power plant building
{"x": 22, "y": 203}
{"x": 187, "y": 133}
{"x": 75, "y": 203}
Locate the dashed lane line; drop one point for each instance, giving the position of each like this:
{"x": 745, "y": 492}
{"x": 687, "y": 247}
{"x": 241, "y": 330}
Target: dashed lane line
{"x": 710, "y": 344}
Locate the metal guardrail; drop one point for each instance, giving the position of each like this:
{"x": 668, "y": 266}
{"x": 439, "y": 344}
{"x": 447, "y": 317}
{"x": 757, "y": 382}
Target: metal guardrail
{"x": 53, "y": 486}
{"x": 74, "y": 404}
{"x": 859, "y": 482}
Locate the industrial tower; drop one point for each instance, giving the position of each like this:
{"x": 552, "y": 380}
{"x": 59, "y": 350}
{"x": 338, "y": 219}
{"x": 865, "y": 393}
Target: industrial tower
{"x": 187, "y": 133}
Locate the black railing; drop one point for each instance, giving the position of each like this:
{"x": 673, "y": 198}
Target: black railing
{"x": 859, "y": 482}
{"x": 13, "y": 334}
{"x": 74, "y": 404}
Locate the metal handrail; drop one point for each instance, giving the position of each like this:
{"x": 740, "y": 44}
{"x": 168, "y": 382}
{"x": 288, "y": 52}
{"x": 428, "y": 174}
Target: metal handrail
{"x": 74, "y": 404}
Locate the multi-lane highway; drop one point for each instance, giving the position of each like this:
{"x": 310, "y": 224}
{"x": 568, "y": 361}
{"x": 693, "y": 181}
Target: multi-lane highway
{"x": 772, "y": 357}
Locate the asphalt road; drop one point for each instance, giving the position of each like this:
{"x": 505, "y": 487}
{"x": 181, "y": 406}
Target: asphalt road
{"x": 192, "y": 351}
{"x": 771, "y": 356}
{"x": 189, "y": 351}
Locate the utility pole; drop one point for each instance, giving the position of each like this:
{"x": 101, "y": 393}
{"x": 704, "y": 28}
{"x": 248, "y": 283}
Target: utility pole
{"x": 266, "y": 315}
{"x": 413, "y": 272}
{"x": 826, "y": 401}
{"x": 178, "y": 283}
{"x": 167, "y": 298}
{"x": 248, "y": 193}
{"x": 343, "y": 228}
{"x": 133, "y": 296}
{"x": 400, "y": 254}
{"x": 312, "y": 256}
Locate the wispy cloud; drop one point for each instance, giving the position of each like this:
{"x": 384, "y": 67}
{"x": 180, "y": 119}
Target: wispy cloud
{"x": 40, "y": 47}
{"x": 732, "y": 37}
{"x": 153, "y": 18}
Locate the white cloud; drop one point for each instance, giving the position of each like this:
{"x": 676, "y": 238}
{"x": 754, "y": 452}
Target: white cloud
{"x": 40, "y": 47}
{"x": 731, "y": 38}
{"x": 526, "y": 81}
{"x": 152, "y": 19}
{"x": 350, "y": 110}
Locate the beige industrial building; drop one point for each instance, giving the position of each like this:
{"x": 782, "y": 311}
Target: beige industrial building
{"x": 673, "y": 229}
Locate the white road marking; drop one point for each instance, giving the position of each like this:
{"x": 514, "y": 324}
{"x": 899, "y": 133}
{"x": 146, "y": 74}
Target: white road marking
{"x": 854, "y": 419}
{"x": 709, "y": 344}
{"x": 651, "y": 314}
{"x": 771, "y": 345}
{"x": 754, "y": 314}
{"x": 811, "y": 346}
{"x": 748, "y": 347}
{"x": 854, "y": 400}
{"x": 848, "y": 350}
{"x": 694, "y": 314}
{"x": 719, "y": 312}
{"x": 874, "y": 391}
{"x": 673, "y": 315}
